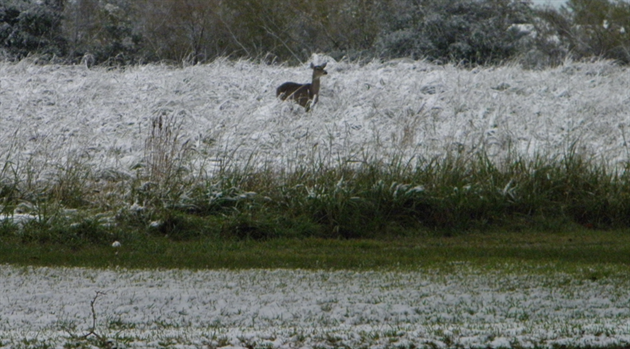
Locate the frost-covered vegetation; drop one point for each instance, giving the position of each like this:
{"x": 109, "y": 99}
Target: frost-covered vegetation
{"x": 209, "y": 150}
{"x": 189, "y": 166}
{"x": 456, "y": 306}
{"x": 471, "y": 32}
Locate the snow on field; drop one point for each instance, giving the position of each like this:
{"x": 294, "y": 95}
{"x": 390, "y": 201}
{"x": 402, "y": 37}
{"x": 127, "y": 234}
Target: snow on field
{"x": 57, "y": 116}
{"x": 464, "y": 307}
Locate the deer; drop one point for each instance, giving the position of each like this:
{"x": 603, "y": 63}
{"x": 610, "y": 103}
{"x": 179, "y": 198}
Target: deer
{"x": 305, "y": 95}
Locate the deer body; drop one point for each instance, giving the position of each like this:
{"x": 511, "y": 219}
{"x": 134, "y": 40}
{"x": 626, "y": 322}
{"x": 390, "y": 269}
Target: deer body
{"x": 305, "y": 95}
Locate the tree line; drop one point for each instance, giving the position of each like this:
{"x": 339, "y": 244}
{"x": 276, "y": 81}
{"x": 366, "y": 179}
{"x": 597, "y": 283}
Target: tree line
{"x": 468, "y": 32}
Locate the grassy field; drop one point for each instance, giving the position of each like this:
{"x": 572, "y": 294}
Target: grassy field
{"x": 492, "y": 183}
{"x": 565, "y": 289}
{"x": 571, "y": 249}
{"x": 456, "y": 255}
{"x": 568, "y": 210}
{"x": 159, "y": 156}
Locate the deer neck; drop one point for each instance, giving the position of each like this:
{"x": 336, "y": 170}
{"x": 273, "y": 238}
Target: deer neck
{"x": 315, "y": 85}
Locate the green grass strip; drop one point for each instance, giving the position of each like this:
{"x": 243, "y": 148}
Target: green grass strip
{"x": 571, "y": 249}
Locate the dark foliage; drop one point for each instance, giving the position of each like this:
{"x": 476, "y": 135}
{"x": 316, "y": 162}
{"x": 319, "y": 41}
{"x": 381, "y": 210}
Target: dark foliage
{"x": 591, "y": 28}
{"x": 472, "y": 32}
{"x": 29, "y": 28}
{"x": 468, "y": 32}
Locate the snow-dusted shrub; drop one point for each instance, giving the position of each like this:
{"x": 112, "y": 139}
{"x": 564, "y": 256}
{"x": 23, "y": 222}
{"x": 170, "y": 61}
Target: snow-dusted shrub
{"x": 463, "y": 31}
{"x": 590, "y": 28}
{"x": 27, "y": 28}
{"x": 104, "y": 29}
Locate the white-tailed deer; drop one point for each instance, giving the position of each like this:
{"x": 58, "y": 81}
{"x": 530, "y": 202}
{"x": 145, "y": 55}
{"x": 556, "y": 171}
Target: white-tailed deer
{"x": 305, "y": 95}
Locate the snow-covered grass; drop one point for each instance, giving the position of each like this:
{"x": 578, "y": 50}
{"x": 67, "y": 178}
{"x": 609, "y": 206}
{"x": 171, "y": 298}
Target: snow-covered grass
{"x": 97, "y": 139}
{"x": 440, "y": 143}
{"x": 159, "y": 136}
{"x": 520, "y": 306}
{"x": 227, "y": 113}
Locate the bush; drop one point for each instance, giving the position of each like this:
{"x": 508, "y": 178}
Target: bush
{"x": 104, "y": 29}
{"x": 463, "y": 31}
{"x": 591, "y": 28}
{"x": 31, "y": 28}
{"x": 469, "y": 32}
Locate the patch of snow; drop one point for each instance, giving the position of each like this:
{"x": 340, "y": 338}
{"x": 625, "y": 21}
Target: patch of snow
{"x": 18, "y": 219}
{"x": 466, "y": 308}
{"x": 227, "y": 112}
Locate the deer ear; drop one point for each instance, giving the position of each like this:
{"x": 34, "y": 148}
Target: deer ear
{"x": 312, "y": 65}
{"x": 323, "y": 65}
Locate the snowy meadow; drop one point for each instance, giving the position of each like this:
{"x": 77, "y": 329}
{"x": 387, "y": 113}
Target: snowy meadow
{"x": 100, "y": 141}
{"x": 227, "y": 115}
{"x": 465, "y": 307}
{"x": 198, "y": 136}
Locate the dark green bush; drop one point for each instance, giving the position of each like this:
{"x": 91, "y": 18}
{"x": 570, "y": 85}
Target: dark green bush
{"x": 462, "y": 31}
{"x": 31, "y": 28}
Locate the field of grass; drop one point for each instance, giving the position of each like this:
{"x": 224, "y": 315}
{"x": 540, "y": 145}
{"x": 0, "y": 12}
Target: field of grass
{"x": 486, "y": 302}
{"x": 573, "y": 248}
{"x": 226, "y": 271}
{"x": 447, "y": 197}
{"x": 394, "y": 149}
{"x": 490, "y": 189}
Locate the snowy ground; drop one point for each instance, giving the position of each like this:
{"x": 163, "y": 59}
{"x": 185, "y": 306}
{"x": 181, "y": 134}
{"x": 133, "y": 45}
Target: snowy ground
{"x": 56, "y": 116}
{"x": 464, "y": 307}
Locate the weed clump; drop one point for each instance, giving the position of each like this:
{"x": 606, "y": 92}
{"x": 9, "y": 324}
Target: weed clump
{"x": 452, "y": 194}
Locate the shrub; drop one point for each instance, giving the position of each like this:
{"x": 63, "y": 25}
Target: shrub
{"x": 104, "y": 29}
{"x": 591, "y": 28}
{"x": 31, "y": 28}
{"x": 465, "y": 31}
